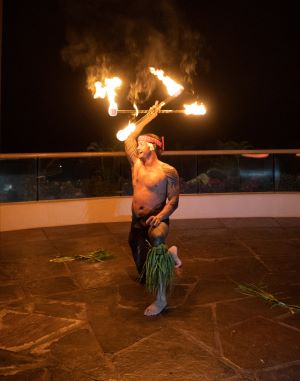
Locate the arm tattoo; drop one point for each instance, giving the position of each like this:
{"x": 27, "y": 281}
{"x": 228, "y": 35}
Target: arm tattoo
{"x": 131, "y": 149}
{"x": 172, "y": 190}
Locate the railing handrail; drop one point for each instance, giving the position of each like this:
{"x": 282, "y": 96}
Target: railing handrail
{"x": 166, "y": 153}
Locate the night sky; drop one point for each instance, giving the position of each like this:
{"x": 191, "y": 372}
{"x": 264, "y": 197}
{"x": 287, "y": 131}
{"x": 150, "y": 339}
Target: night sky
{"x": 236, "y": 57}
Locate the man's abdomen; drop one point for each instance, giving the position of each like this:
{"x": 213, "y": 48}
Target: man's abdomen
{"x": 145, "y": 202}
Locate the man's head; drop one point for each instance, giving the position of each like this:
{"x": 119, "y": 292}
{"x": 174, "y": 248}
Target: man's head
{"x": 149, "y": 143}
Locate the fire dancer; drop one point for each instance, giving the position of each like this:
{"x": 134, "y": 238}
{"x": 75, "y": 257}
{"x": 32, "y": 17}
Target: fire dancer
{"x": 155, "y": 198}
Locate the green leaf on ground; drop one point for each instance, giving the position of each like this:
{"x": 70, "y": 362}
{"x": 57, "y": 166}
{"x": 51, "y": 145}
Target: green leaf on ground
{"x": 253, "y": 290}
{"x": 98, "y": 255}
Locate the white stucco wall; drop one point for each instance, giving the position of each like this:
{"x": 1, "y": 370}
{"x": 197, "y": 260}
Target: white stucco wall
{"x": 26, "y": 215}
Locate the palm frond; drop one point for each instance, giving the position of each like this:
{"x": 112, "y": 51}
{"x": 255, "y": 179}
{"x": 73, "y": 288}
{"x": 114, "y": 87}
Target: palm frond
{"x": 97, "y": 255}
{"x": 253, "y": 290}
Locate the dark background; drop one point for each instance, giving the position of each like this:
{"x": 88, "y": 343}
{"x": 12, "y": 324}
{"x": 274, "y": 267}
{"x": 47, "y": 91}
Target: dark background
{"x": 246, "y": 76}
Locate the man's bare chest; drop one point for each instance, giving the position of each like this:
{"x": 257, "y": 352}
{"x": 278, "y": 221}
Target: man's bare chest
{"x": 151, "y": 178}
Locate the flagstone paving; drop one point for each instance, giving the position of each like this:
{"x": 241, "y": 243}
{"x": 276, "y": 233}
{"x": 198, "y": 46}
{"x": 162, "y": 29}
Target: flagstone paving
{"x": 84, "y": 321}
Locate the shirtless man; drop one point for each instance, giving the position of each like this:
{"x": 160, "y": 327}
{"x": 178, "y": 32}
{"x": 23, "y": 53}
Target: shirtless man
{"x": 155, "y": 198}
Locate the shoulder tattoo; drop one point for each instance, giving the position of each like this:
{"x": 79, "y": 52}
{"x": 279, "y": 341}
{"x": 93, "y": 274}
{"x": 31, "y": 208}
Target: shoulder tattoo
{"x": 131, "y": 150}
{"x": 172, "y": 178}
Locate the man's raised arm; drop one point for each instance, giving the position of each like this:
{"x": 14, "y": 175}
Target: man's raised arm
{"x": 130, "y": 142}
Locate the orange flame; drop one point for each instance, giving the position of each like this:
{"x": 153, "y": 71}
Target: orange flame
{"x": 136, "y": 110}
{"x": 195, "y": 109}
{"x": 173, "y": 88}
{"x": 125, "y": 132}
{"x": 109, "y": 91}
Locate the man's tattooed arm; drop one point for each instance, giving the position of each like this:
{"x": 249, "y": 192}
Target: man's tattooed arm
{"x": 172, "y": 192}
{"x": 131, "y": 149}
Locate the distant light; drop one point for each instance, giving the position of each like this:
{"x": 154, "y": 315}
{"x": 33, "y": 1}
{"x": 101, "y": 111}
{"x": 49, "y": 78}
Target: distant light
{"x": 7, "y": 187}
{"x": 256, "y": 155}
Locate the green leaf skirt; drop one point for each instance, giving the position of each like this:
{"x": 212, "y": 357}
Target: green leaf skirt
{"x": 159, "y": 269}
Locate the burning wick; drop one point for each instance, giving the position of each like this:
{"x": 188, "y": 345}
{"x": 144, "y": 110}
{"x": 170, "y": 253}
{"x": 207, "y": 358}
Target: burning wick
{"x": 113, "y": 110}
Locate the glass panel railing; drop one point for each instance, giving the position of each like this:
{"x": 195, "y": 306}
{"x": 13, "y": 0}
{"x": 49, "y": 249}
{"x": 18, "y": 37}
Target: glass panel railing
{"x": 69, "y": 176}
{"x": 187, "y": 171}
{"x": 218, "y": 173}
{"x": 287, "y": 173}
{"x": 18, "y": 180}
{"x": 61, "y": 178}
{"x": 256, "y": 173}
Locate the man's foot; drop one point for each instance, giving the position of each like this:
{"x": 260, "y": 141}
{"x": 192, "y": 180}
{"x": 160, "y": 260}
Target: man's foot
{"x": 173, "y": 250}
{"x": 155, "y": 308}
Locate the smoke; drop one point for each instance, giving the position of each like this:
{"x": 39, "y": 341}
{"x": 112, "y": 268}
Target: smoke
{"x": 117, "y": 38}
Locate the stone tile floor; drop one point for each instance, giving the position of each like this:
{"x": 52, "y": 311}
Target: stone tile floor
{"x": 84, "y": 321}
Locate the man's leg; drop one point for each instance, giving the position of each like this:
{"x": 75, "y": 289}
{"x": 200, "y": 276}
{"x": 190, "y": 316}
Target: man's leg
{"x": 157, "y": 236}
{"x": 139, "y": 247}
{"x": 173, "y": 250}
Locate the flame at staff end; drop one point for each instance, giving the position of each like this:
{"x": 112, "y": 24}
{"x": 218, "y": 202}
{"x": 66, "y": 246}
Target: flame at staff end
{"x": 125, "y": 132}
{"x": 109, "y": 90}
{"x": 173, "y": 88}
{"x": 195, "y": 109}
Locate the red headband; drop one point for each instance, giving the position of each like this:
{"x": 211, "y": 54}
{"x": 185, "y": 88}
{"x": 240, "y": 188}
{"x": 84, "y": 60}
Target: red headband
{"x": 150, "y": 139}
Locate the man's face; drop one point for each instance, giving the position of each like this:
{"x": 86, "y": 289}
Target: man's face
{"x": 143, "y": 149}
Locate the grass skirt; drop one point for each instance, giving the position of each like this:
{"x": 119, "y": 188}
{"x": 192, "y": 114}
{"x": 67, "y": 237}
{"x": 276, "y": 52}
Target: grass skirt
{"x": 159, "y": 269}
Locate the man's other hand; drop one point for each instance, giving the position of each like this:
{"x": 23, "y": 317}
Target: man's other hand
{"x": 153, "y": 221}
